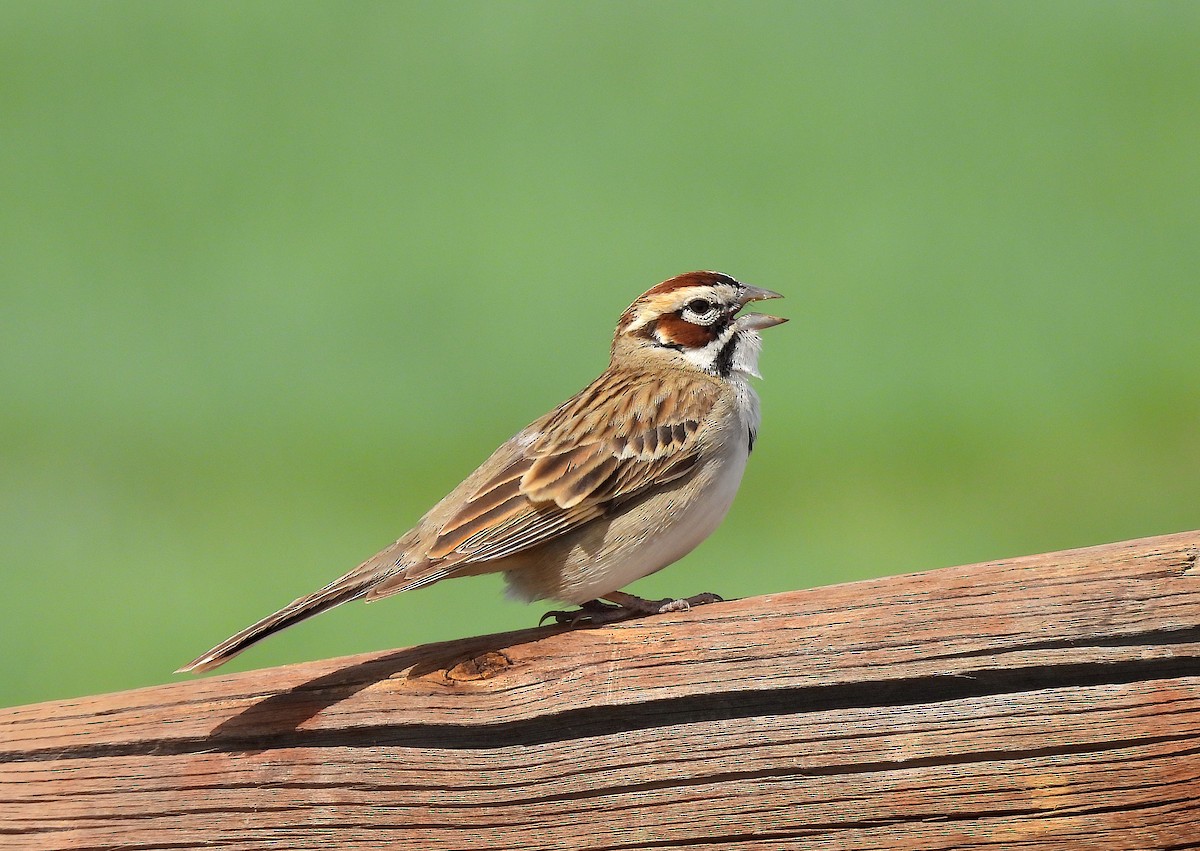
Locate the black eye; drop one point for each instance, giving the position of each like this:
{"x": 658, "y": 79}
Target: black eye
{"x": 699, "y": 305}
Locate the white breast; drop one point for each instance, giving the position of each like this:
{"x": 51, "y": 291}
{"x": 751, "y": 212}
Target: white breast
{"x": 667, "y": 526}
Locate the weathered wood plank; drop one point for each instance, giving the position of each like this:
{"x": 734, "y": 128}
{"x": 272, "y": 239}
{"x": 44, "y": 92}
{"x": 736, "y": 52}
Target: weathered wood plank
{"x": 1037, "y": 702}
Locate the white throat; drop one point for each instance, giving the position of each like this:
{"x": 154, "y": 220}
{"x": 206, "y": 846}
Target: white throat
{"x": 718, "y": 359}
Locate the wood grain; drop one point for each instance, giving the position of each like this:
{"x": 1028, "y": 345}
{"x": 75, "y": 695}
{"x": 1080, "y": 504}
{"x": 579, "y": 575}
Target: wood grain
{"x": 1039, "y": 702}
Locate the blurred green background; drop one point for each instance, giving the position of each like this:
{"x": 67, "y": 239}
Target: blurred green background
{"x": 277, "y": 275}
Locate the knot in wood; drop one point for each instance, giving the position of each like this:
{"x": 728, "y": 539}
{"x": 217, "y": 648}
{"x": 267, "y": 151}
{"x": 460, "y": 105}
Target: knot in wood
{"x": 481, "y": 667}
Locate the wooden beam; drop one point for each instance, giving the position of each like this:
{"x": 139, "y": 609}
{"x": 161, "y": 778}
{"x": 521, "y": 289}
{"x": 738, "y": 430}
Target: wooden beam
{"x": 1048, "y": 702}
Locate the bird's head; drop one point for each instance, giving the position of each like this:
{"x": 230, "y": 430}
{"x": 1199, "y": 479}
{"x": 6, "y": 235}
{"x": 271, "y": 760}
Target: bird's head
{"x": 692, "y": 319}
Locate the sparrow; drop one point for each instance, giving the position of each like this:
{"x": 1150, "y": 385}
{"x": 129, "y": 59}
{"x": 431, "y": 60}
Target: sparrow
{"x": 624, "y": 478}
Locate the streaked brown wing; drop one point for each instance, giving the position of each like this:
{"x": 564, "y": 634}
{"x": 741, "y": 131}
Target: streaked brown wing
{"x": 500, "y": 520}
{"x": 617, "y": 438}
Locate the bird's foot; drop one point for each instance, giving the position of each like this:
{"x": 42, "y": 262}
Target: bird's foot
{"x": 624, "y": 606}
{"x": 592, "y": 612}
{"x": 661, "y": 607}
{"x": 686, "y": 604}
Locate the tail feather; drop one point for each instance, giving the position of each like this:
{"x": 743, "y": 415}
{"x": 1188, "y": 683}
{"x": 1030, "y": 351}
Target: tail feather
{"x": 294, "y": 612}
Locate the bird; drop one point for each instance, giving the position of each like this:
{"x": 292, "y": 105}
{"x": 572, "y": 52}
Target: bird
{"x": 624, "y": 478}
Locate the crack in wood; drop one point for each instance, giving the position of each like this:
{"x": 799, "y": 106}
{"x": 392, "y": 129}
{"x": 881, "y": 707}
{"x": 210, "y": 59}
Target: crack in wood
{"x": 1183, "y": 635}
{"x": 596, "y": 721}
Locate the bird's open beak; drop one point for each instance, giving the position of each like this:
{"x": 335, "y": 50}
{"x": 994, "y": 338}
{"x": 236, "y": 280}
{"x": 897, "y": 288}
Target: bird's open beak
{"x": 757, "y": 321}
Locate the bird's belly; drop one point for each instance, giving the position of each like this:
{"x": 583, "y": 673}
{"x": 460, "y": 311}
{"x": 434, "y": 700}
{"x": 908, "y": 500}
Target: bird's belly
{"x": 607, "y": 555}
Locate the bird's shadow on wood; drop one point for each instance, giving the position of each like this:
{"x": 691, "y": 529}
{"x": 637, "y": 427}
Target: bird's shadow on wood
{"x": 451, "y": 663}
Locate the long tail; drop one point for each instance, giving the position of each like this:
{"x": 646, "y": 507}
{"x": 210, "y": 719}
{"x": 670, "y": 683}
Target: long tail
{"x": 334, "y": 594}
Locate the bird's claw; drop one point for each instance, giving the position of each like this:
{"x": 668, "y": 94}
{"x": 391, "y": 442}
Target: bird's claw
{"x": 590, "y": 612}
